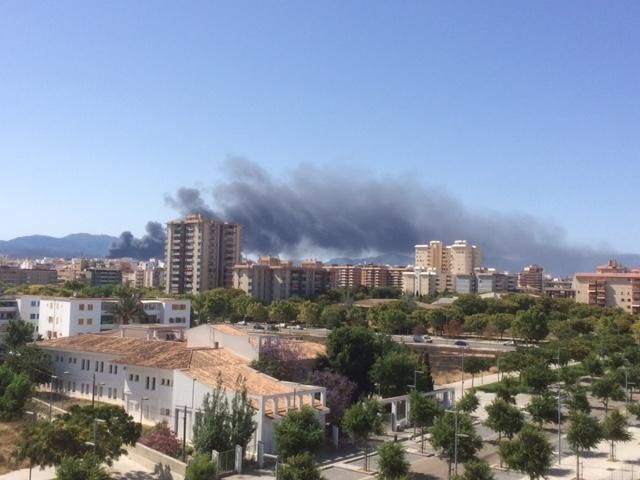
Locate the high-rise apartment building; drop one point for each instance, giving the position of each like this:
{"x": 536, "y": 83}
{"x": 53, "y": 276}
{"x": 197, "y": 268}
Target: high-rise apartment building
{"x": 458, "y": 258}
{"x": 200, "y": 254}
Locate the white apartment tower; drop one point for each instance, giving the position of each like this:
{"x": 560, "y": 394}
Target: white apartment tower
{"x": 200, "y": 254}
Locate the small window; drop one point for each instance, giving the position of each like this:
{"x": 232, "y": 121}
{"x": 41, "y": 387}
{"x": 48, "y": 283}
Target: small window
{"x": 115, "y": 393}
{"x": 110, "y": 368}
{"x": 81, "y": 321}
{"x": 137, "y": 378}
{"x": 90, "y": 307}
{"x": 131, "y": 377}
{"x": 148, "y": 382}
{"x": 115, "y": 369}
{"x": 89, "y": 321}
{"x": 81, "y": 307}
{"x": 153, "y": 383}
{"x": 101, "y": 367}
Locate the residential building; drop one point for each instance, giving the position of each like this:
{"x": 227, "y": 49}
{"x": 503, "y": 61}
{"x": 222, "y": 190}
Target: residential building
{"x": 531, "y": 278}
{"x": 273, "y": 279}
{"x": 558, "y": 288}
{"x": 464, "y": 258}
{"x": 68, "y": 316}
{"x": 155, "y": 380}
{"x": 609, "y": 289}
{"x": 14, "y": 275}
{"x": 101, "y": 277}
{"x": 201, "y": 254}
{"x": 8, "y": 311}
{"x": 420, "y": 281}
{"x": 433, "y": 255}
{"x": 344, "y": 276}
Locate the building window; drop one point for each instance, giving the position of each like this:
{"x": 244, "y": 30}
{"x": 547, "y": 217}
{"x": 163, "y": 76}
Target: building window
{"x": 75, "y": 360}
{"x": 89, "y": 321}
{"x": 110, "y": 368}
{"x": 97, "y": 365}
{"x": 137, "y": 378}
{"x": 109, "y": 392}
{"x": 131, "y": 377}
{"x": 148, "y": 380}
{"x": 153, "y": 383}
{"x": 81, "y": 307}
{"x": 115, "y": 393}
{"x": 115, "y": 369}
{"x": 81, "y": 321}
{"x": 90, "y": 307}
{"x": 101, "y": 367}
{"x": 82, "y": 364}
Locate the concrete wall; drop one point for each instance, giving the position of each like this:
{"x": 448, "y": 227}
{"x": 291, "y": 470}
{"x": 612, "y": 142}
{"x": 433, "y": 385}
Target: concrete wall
{"x": 157, "y": 462}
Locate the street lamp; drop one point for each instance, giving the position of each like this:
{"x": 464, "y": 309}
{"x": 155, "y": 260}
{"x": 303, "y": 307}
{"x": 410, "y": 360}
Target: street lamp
{"x": 34, "y": 416}
{"x": 141, "y": 403}
{"x": 462, "y": 369}
{"x": 456, "y": 435}
{"x": 53, "y": 378}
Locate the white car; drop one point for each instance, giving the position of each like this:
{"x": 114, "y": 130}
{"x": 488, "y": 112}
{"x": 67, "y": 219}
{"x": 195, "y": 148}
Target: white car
{"x": 427, "y": 339}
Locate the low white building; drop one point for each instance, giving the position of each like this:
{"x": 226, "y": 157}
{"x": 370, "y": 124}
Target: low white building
{"x": 67, "y": 316}
{"x": 157, "y": 380}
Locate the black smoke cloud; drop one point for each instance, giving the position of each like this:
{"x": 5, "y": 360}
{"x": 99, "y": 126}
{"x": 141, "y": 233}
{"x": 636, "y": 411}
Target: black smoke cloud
{"x": 150, "y": 245}
{"x": 315, "y": 210}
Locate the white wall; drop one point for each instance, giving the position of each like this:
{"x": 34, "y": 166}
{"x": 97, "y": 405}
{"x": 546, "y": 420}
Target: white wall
{"x": 29, "y": 308}
{"x": 68, "y": 317}
{"x": 158, "y": 390}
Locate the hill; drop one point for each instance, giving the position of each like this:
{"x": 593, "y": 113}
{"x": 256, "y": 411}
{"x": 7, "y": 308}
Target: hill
{"x": 74, "y": 245}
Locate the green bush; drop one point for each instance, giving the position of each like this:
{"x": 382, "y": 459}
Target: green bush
{"x": 87, "y": 468}
{"x": 202, "y": 467}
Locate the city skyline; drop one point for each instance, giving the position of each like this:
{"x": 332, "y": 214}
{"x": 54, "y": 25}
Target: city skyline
{"x": 497, "y": 111}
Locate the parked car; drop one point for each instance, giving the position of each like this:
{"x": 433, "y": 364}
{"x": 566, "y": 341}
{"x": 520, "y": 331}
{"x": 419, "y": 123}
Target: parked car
{"x": 258, "y": 327}
{"x": 510, "y": 343}
{"x": 417, "y": 338}
{"x": 298, "y": 327}
{"x": 242, "y": 322}
{"x": 282, "y": 325}
{"x": 273, "y": 328}
{"x": 461, "y": 343}
{"x": 427, "y": 339}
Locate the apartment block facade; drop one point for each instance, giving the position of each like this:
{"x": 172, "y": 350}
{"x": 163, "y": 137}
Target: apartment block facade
{"x": 612, "y": 285}
{"x": 531, "y": 278}
{"x": 458, "y": 258}
{"x": 200, "y": 254}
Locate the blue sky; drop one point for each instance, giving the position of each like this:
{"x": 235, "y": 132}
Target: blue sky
{"x": 530, "y": 107}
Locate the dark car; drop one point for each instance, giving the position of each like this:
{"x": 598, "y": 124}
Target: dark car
{"x": 258, "y": 327}
{"x": 461, "y": 343}
{"x": 273, "y": 328}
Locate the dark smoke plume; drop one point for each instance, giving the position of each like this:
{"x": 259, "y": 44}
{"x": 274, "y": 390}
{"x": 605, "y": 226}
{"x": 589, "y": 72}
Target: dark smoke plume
{"x": 316, "y": 210}
{"x": 150, "y": 245}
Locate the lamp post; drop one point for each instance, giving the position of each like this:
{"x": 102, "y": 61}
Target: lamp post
{"x": 34, "y": 418}
{"x": 94, "y": 444}
{"x": 141, "y": 405}
{"x": 456, "y": 435}
{"x": 462, "y": 371}
{"x": 53, "y": 378}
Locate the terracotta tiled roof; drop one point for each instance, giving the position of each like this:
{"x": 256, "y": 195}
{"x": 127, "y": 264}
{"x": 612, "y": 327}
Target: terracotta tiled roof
{"x": 206, "y": 365}
{"x": 127, "y": 350}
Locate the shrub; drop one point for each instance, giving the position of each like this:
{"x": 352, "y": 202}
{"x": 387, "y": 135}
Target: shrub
{"x": 202, "y": 467}
{"x": 162, "y": 439}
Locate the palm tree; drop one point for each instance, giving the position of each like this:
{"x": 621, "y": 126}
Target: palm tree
{"x": 128, "y": 308}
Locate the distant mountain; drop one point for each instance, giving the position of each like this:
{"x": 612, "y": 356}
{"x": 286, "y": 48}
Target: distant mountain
{"x": 75, "y": 245}
{"x": 385, "y": 259}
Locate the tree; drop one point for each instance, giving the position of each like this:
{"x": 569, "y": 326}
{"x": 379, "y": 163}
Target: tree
{"x": 129, "y": 306}
{"x": 361, "y": 420}
{"x": 469, "y": 402}
{"x": 507, "y": 389}
{"x": 538, "y": 376}
{"x": 470, "y": 304}
{"x": 543, "y": 408}
{"x": 504, "y": 418}
{"x": 310, "y": 313}
{"x": 281, "y": 359}
{"x": 299, "y": 432}
{"x": 340, "y": 392}
{"x": 87, "y": 468}
{"x": 32, "y": 362}
{"x": 614, "y": 429}
{"x": 72, "y": 435}
{"x": 221, "y": 426}
{"x": 352, "y": 351}
{"x": 592, "y": 366}
{"x": 300, "y": 467}
{"x": 437, "y": 319}
{"x": 257, "y": 312}
{"x": 393, "y": 320}
{"x": 607, "y": 388}
{"x": 476, "y": 470}
{"x": 18, "y": 334}
{"x": 529, "y": 452}
{"x": 282, "y": 311}
{"x": 577, "y": 400}
{"x": 15, "y": 391}
{"x": 443, "y": 435}
{"x": 584, "y": 434}
{"x": 423, "y": 410}
{"x": 392, "y": 462}
{"x": 531, "y": 325}
{"x": 162, "y": 439}
{"x": 333, "y": 316}
{"x": 202, "y": 467}
{"x": 474, "y": 365}
{"x": 501, "y": 322}
{"x": 394, "y": 372}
